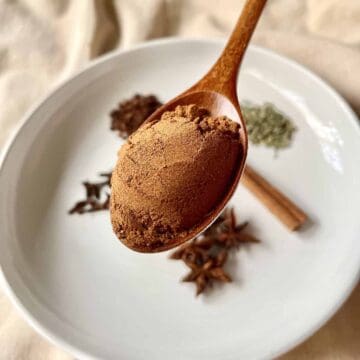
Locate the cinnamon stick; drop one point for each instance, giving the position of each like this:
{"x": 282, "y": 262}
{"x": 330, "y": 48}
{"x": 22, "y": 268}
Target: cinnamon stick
{"x": 280, "y": 205}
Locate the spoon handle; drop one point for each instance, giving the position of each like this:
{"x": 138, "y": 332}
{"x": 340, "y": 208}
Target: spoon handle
{"x": 223, "y": 75}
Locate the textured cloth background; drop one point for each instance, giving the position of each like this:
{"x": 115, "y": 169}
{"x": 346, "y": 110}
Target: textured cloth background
{"x": 45, "y": 41}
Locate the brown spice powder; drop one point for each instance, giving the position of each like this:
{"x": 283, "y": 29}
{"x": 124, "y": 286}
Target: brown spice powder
{"x": 170, "y": 175}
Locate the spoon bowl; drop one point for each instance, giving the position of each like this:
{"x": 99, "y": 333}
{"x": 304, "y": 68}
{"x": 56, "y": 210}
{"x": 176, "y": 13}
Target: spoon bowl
{"x": 218, "y": 105}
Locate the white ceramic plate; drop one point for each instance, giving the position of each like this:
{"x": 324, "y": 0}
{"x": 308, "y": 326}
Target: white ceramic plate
{"x": 78, "y": 286}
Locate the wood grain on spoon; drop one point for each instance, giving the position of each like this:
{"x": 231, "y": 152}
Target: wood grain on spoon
{"x": 222, "y": 77}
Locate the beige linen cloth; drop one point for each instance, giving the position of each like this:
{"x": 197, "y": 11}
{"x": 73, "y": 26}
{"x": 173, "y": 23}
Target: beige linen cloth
{"x": 45, "y": 41}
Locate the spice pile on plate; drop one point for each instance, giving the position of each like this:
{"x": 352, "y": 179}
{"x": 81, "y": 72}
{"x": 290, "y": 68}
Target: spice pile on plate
{"x": 131, "y": 113}
{"x": 266, "y": 125}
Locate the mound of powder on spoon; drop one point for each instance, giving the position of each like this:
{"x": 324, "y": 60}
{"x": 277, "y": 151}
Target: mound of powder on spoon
{"x": 170, "y": 174}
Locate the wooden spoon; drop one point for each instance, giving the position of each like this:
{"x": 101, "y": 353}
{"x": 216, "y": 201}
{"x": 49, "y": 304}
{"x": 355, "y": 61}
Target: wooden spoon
{"x": 216, "y": 91}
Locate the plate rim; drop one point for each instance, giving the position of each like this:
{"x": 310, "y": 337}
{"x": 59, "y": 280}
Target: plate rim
{"x": 57, "y": 340}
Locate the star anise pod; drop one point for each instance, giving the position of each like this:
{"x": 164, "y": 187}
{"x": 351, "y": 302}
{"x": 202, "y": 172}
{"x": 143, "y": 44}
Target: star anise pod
{"x": 207, "y": 254}
{"x": 92, "y": 189}
{"x": 232, "y": 235}
{"x": 190, "y": 253}
{"x": 204, "y": 275}
{"x": 93, "y": 193}
{"x": 213, "y": 229}
{"x": 107, "y": 175}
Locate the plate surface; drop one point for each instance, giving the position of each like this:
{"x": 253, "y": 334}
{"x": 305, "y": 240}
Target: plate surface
{"x": 82, "y": 289}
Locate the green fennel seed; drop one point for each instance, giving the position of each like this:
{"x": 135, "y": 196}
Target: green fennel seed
{"x": 268, "y": 126}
